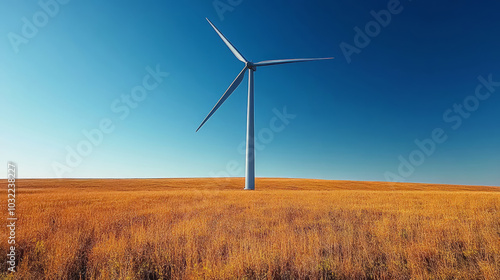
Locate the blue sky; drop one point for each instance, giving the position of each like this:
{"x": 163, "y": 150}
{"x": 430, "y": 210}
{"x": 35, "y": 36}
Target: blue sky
{"x": 67, "y": 67}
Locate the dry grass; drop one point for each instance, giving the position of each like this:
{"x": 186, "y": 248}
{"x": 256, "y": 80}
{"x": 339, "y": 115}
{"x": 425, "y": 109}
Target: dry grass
{"x": 287, "y": 229}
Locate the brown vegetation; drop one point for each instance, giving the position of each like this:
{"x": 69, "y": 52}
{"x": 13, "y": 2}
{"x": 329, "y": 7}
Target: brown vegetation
{"x": 287, "y": 229}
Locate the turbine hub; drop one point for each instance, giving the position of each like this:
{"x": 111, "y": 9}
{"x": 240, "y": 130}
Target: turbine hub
{"x": 250, "y": 65}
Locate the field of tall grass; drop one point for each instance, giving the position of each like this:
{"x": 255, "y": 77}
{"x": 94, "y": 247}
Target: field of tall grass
{"x": 287, "y": 229}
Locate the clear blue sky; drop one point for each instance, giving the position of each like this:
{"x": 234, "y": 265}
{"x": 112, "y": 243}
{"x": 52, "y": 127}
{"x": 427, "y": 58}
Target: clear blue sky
{"x": 354, "y": 120}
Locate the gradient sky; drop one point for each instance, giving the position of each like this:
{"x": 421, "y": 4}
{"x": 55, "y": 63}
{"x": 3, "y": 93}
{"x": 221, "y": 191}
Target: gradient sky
{"x": 353, "y": 121}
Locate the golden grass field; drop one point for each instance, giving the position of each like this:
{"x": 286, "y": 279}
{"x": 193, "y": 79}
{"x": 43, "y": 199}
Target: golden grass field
{"x": 286, "y": 229}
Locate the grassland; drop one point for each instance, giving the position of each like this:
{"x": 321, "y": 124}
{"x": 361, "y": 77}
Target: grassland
{"x": 287, "y": 229}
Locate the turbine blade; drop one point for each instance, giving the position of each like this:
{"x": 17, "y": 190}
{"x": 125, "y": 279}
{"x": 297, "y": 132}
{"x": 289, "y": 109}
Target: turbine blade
{"x": 283, "y": 61}
{"x": 231, "y": 47}
{"x": 228, "y": 92}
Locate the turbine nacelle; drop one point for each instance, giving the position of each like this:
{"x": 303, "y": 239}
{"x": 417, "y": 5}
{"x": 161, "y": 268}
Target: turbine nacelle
{"x": 250, "y": 65}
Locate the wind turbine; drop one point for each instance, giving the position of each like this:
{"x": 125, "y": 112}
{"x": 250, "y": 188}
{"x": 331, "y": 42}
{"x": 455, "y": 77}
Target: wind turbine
{"x": 251, "y": 67}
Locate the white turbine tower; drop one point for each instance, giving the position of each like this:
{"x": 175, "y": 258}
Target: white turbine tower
{"x": 251, "y": 67}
